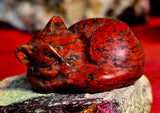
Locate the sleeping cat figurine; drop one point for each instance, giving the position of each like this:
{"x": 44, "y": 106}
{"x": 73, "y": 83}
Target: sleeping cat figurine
{"x": 93, "y": 55}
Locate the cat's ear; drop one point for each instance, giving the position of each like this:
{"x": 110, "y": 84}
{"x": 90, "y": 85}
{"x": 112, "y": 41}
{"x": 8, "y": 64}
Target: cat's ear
{"x": 23, "y": 53}
{"x": 55, "y": 26}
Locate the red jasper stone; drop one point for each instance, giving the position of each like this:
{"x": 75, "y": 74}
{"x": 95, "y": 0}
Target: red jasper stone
{"x": 93, "y": 55}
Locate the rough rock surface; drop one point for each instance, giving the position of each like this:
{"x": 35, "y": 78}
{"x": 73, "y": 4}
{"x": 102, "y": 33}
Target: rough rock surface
{"x": 16, "y": 95}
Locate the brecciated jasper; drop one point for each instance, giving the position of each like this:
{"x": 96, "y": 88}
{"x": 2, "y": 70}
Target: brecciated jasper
{"x": 93, "y": 55}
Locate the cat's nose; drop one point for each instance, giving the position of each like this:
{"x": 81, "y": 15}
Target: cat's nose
{"x": 23, "y": 53}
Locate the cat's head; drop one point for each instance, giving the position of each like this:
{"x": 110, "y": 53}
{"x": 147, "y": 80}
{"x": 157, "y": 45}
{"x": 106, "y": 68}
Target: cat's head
{"x": 46, "y": 47}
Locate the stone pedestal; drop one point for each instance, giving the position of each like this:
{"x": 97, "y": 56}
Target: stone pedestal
{"x": 16, "y": 95}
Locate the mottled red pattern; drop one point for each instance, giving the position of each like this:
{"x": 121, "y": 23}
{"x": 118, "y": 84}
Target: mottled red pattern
{"x": 93, "y": 55}
{"x": 148, "y": 34}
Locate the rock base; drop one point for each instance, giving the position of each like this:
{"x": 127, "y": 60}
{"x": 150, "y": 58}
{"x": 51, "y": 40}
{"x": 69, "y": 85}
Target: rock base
{"x": 16, "y": 95}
